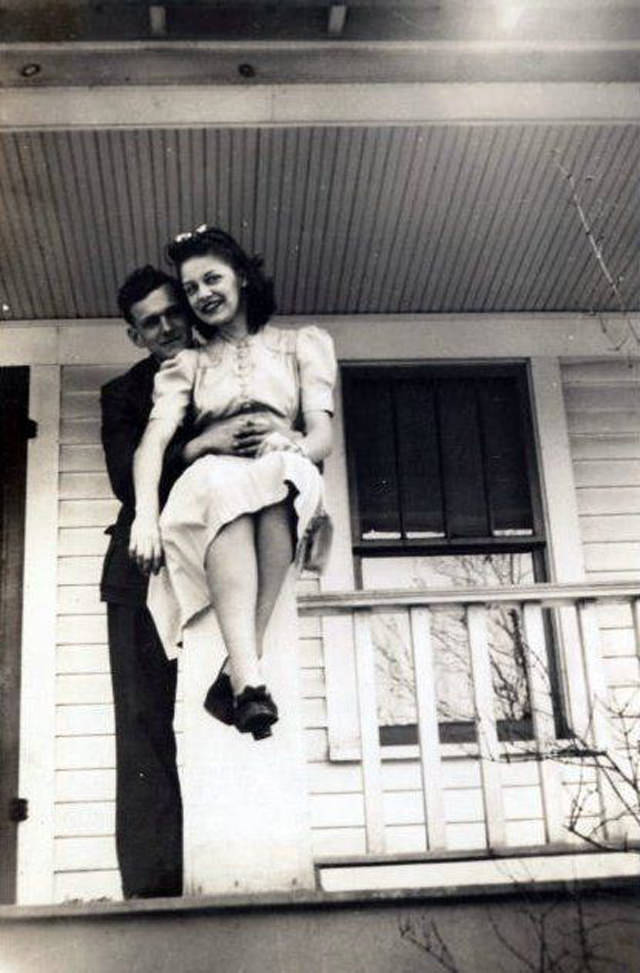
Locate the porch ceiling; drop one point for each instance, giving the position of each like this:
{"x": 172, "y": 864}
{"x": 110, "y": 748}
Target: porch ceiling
{"x": 434, "y": 218}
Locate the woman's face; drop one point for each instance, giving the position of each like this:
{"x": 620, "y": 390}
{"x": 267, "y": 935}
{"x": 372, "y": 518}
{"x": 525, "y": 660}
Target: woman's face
{"x": 212, "y": 288}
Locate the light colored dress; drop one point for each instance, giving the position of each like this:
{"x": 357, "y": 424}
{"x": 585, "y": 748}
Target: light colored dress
{"x": 284, "y": 372}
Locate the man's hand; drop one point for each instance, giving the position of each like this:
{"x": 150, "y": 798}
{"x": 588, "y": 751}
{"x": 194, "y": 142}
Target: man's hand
{"x": 145, "y": 545}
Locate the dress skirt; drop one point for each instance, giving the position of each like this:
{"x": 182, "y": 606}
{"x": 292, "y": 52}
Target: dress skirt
{"x": 212, "y": 492}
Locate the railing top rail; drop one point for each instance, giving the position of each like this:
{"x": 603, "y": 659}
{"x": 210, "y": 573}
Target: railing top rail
{"x": 547, "y": 595}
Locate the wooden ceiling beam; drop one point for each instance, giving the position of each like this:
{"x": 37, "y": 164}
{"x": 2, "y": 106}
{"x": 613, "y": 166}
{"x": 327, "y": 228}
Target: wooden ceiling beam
{"x": 161, "y": 106}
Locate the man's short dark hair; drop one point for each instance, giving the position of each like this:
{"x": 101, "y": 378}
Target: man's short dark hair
{"x": 140, "y": 283}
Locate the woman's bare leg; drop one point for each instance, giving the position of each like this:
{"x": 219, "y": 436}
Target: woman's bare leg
{"x": 274, "y": 545}
{"x": 232, "y": 576}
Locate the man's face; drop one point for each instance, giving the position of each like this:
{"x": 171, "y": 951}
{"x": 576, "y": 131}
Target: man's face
{"x": 160, "y": 323}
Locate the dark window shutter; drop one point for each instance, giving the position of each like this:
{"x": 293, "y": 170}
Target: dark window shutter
{"x": 508, "y": 491}
{"x": 418, "y": 458}
{"x": 462, "y": 467}
{"x": 370, "y": 428}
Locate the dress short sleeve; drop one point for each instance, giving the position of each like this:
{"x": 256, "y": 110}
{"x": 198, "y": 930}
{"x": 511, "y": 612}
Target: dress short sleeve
{"x": 173, "y": 386}
{"x": 317, "y": 366}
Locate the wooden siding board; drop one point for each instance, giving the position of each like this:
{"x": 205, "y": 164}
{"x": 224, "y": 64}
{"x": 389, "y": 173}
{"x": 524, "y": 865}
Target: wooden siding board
{"x": 85, "y": 854}
{"x": 82, "y": 541}
{"x": 609, "y": 500}
{"x": 82, "y": 659}
{"x": 79, "y": 570}
{"x": 85, "y": 785}
{"x": 87, "y": 886}
{"x": 82, "y": 629}
{"x": 82, "y": 459}
{"x": 623, "y": 397}
{"x": 86, "y": 752}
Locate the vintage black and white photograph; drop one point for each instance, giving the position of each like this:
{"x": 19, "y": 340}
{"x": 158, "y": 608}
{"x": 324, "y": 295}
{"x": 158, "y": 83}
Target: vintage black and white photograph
{"x": 320, "y": 470}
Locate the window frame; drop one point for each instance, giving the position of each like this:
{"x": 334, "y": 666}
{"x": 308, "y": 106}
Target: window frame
{"x": 382, "y": 547}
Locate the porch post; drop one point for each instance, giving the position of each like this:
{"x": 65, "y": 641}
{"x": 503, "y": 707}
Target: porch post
{"x": 246, "y": 823}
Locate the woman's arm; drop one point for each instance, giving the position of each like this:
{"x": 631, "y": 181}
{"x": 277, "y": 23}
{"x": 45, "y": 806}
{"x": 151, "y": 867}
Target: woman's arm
{"x": 145, "y": 546}
{"x": 317, "y": 441}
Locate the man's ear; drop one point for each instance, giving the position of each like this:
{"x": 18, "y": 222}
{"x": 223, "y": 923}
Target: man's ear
{"x": 136, "y": 337}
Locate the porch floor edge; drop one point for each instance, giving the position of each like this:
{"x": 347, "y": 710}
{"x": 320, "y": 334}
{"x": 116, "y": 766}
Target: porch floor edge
{"x": 308, "y": 900}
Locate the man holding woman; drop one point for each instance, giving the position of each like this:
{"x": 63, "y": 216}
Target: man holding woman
{"x": 148, "y": 806}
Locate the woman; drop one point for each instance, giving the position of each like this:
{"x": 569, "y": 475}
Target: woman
{"x": 238, "y": 516}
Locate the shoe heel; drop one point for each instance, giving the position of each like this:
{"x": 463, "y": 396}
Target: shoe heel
{"x": 262, "y": 734}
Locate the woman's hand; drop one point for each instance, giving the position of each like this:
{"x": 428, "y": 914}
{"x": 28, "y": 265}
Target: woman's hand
{"x": 145, "y": 545}
{"x": 279, "y": 441}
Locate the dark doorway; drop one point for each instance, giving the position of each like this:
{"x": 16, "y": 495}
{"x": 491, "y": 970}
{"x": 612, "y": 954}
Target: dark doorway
{"x": 14, "y": 431}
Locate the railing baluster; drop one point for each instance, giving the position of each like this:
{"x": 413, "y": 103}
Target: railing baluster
{"x": 544, "y": 729}
{"x": 600, "y": 730}
{"x": 369, "y": 733}
{"x": 488, "y": 746}
{"x": 428, "y": 737}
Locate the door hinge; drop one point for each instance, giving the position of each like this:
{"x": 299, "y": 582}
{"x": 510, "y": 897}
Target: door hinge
{"x": 18, "y": 809}
{"x": 31, "y": 428}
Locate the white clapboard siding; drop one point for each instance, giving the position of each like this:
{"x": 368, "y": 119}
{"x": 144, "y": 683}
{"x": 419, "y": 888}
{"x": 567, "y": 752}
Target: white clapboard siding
{"x": 85, "y": 785}
{"x": 85, "y": 861}
{"x": 80, "y": 405}
{"x": 82, "y": 459}
{"x": 82, "y": 659}
{"x": 86, "y": 752}
{"x": 85, "y": 486}
{"x": 81, "y": 569}
{"x": 338, "y": 841}
{"x": 79, "y": 600}
{"x": 603, "y": 413}
{"x": 81, "y": 541}
{"x": 85, "y": 854}
{"x": 87, "y": 885}
{"x": 80, "y": 629}
{"x": 602, "y": 400}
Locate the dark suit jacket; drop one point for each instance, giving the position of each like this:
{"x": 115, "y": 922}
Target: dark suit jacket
{"x": 126, "y": 404}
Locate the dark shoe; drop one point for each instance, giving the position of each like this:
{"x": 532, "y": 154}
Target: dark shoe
{"x": 219, "y": 699}
{"x": 255, "y": 712}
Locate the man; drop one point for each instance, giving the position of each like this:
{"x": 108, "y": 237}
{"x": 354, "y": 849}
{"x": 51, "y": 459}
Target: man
{"x": 148, "y": 804}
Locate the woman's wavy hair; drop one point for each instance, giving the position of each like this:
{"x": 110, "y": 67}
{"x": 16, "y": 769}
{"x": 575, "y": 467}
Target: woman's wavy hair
{"x": 259, "y": 298}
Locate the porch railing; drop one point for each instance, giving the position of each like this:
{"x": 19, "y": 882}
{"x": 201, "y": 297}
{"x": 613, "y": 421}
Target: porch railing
{"x": 578, "y": 639}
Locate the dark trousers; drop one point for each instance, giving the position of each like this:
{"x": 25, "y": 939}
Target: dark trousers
{"x": 148, "y": 805}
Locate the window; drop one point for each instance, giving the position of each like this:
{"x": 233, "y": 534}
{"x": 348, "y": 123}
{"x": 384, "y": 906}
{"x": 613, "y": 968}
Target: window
{"x": 444, "y": 494}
